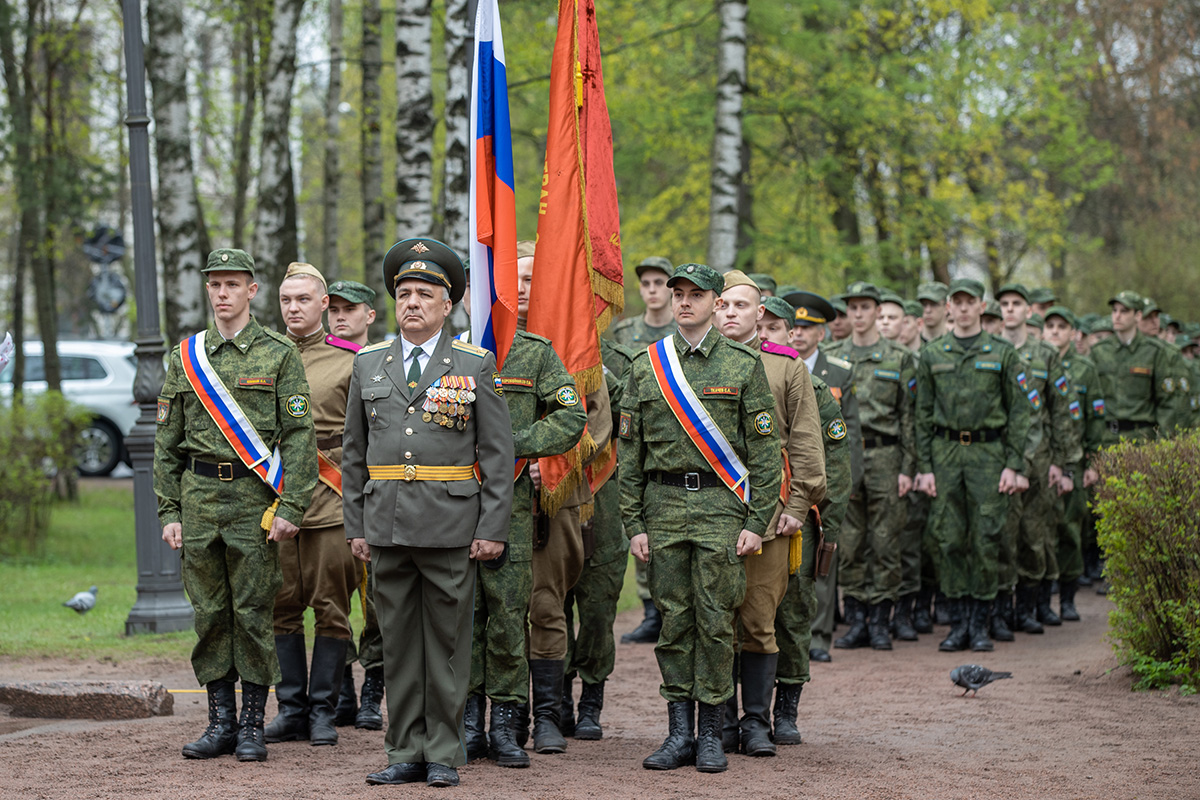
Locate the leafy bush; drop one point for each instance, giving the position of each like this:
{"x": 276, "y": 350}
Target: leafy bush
{"x": 36, "y": 443}
{"x": 1148, "y": 502}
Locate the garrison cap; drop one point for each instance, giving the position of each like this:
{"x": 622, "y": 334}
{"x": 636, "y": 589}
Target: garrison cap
{"x": 861, "y": 290}
{"x": 735, "y": 277}
{"x": 934, "y": 291}
{"x": 992, "y": 309}
{"x": 780, "y": 308}
{"x": 1063, "y": 313}
{"x": 702, "y": 275}
{"x": 1036, "y": 321}
{"x": 968, "y": 285}
{"x": 426, "y": 260}
{"x": 912, "y": 308}
{"x": 1013, "y": 288}
{"x": 229, "y": 260}
{"x": 1131, "y": 300}
{"x": 762, "y": 280}
{"x": 654, "y": 262}
{"x": 526, "y": 248}
{"x": 888, "y": 296}
{"x": 353, "y": 291}
{"x": 1043, "y": 294}
{"x": 811, "y": 309}
{"x": 300, "y": 268}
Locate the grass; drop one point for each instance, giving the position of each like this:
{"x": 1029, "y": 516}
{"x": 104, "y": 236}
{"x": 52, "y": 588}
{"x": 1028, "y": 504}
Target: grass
{"x": 91, "y": 542}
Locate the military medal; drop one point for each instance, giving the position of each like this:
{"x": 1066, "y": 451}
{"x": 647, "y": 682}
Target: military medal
{"x": 426, "y": 417}
{"x": 462, "y": 424}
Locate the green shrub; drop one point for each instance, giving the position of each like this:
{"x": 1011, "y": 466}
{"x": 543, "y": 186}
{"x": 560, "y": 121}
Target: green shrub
{"x": 36, "y": 442}
{"x": 1148, "y": 502}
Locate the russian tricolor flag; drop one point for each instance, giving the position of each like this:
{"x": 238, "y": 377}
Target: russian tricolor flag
{"x": 493, "y": 218}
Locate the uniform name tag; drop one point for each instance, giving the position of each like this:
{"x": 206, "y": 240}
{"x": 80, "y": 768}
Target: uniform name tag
{"x": 256, "y": 381}
{"x": 725, "y": 391}
{"x": 1141, "y": 370}
{"x": 528, "y": 384}
{"x": 990, "y": 366}
{"x": 887, "y": 374}
{"x": 1040, "y": 373}
{"x": 935, "y": 368}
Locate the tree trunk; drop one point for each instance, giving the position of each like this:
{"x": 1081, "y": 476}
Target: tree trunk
{"x": 276, "y": 240}
{"x": 331, "y": 188}
{"x": 840, "y": 184}
{"x": 246, "y": 92}
{"x": 372, "y": 166}
{"x": 414, "y": 118}
{"x": 727, "y": 175}
{"x": 456, "y": 191}
{"x": 182, "y": 235}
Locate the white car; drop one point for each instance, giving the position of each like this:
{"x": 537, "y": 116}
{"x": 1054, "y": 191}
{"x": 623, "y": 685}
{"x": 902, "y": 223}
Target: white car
{"x": 98, "y": 376}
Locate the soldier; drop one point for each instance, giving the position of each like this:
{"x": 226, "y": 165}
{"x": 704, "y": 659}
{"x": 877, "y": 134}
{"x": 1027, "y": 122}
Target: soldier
{"x": 917, "y": 577}
{"x": 1150, "y": 323}
{"x": 765, "y": 283}
{"x": 869, "y": 557}
{"x": 807, "y": 333}
{"x": 797, "y": 419}
{"x": 318, "y": 570}
{"x": 233, "y": 422}
{"x": 993, "y": 318}
{"x": 839, "y": 323}
{"x": 425, "y": 412}
{"x": 889, "y": 317}
{"x": 696, "y": 504}
{"x": 1041, "y": 299}
{"x": 932, "y": 297}
{"x": 639, "y": 333}
{"x": 972, "y": 421}
{"x": 910, "y": 329}
{"x": 794, "y": 617}
{"x": 351, "y": 312}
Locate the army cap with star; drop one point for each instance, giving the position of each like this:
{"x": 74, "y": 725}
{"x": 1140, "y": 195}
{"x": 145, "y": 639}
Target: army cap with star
{"x": 861, "y": 290}
{"x": 1131, "y": 300}
{"x": 777, "y": 306}
{"x": 934, "y": 291}
{"x": 353, "y": 291}
{"x": 228, "y": 259}
{"x": 426, "y": 260}
{"x": 651, "y": 263}
{"x": 1013, "y": 288}
{"x": 702, "y": 275}
{"x": 966, "y": 285}
{"x": 1063, "y": 313}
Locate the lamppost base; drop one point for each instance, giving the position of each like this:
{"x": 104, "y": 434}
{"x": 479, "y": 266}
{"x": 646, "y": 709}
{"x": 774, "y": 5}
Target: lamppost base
{"x": 164, "y": 613}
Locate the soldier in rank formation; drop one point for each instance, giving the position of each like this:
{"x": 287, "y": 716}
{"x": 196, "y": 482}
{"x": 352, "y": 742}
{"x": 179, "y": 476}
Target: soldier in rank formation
{"x": 755, "y": 447}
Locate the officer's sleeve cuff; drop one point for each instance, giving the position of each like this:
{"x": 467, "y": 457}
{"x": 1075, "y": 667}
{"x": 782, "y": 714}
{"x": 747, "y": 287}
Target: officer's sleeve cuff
{"x": 292, "y": 515}
{"x": 757, "y": 528}
{"x": 632, "y": 530}
{"x": 169, "y": 518}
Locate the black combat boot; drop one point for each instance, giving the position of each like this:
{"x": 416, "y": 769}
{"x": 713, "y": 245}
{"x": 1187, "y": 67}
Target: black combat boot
{"x": 220, "y": 737}
{"x": 1026, "y": 609}
{"x": 347, "y": 707}
{"x": 881, "y": 614}
{"x": 370, "y": 716}
{"x": 646, "y": 632}
{"x": 710, "y": 755}
{"x": 758, "y": 681}
{"x": 679, "y": 748}
{"x": 787, "y": 703}
{"x": 473, "y": 719}
{"x": 291, "y": 723}
{"x": 730, "y": 729}
{"x": 1066, "y": 598}
{"x": 902, "y": 620}
{"x": 1001, "y": 625}
{"x": 251, "y": 744}
{"x": 522, "y": 725}
{"x": 922, "y": 619}
{"x": 1045, "y": 612}
{"x": 502, "y": 736}
{"x": 566, "y": 715}
{"x": 958, "y": 638}
{"x": 977, "y": 625}
{"x": 324, "y": 683}
{"x": 591, "y": 703}
{"x": 941, "y": 610}
{"x": 857, "y": 636}
{"x": 547, "y": 678}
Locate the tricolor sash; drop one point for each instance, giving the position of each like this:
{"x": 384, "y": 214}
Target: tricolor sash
{"x": 696, "y": 422}
{"x": 230, "y": 418}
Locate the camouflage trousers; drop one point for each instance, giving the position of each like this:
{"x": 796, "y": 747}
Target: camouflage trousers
{"x": 319, "y": 572}
{"x": 369, "y": 653}
{"x": 1072, "y": 516}
{"x": 1029, "y": 553}
{"x": 231, "y": 574}
{"x": 499, "y": 667}
{"x": 914, "y": 562}
{"x": 967, "y": 517}
{"x": 591, "y": 652}
{"x": 870, "y": 540}
{"x": 697, "y": 581}
{"x": 795, "y": 617}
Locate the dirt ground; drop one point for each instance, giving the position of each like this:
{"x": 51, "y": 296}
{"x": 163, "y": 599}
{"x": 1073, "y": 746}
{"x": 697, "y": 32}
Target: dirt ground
{"x": 875, "y": 725}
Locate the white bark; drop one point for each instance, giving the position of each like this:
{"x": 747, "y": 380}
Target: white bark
{"x": 372, "y": 166}
{"x": 414, "y": 119}
{"x": 458, "y": 127}
{"x": 331, "y": 194}
{"x": 182, "y": 236}
{"x": 727, "y": 175}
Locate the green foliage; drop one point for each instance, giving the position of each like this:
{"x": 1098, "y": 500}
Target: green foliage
{"x": 35, "y": 446}
{"x": 1149, "y": 508}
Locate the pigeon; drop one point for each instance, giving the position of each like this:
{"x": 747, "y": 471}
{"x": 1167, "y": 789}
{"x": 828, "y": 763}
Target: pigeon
{"x": 973, "y": 677}
{"x": 83, "y": 602}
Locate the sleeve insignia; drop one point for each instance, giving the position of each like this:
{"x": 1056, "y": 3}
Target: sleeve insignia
{"x": 1168, "y": 385}
{"x": 164, "y": 410}
{"x": 1183, "y": 384}
{"x": 1035, "y": 399}
{"x": 498, "y": 384}
{"x": 836, "y": 429}
{"x": 912, "y": 386}
{"x": 297, "y": 405}
{"x": 567, "y": 396}
{"x": 1063, "y": 385}
{"x": 762, "y": 423}
{"x": 1021, "y": 380}
{"x": 1098, "y": 407}
{"x": 625, "y": 428}
{"x": 1076, "y": 411}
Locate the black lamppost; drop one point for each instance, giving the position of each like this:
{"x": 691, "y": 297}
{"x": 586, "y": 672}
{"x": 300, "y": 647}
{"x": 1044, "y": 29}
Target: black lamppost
{"x": 161, "y": 605}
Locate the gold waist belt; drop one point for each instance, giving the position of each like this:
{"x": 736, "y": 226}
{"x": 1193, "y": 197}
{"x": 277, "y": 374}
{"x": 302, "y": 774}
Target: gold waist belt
{"x": 415, "y": 472}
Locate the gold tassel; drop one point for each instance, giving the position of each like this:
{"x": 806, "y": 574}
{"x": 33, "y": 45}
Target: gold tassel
{"x": 362, "y": 592}
{"x": 268, "y": 516}
{"x": 795, "y": 552}
{"x": 586, "y": 512}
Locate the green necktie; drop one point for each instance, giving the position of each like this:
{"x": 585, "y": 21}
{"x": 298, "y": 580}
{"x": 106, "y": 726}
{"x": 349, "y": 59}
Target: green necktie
{"x": 414, "y": 372}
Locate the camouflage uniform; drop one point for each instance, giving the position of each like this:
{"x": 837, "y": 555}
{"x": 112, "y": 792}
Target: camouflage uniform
{"x": 1083, "y": 410}
{"x": 1139, "y": 387}
{"x": 230, "y": 571}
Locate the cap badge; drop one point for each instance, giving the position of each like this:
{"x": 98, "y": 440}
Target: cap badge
{"x": 419, "y": 265}
{"x": 419, "y": 247}
{"x": 224, "y": 256}
{"x": 691, "y": 268}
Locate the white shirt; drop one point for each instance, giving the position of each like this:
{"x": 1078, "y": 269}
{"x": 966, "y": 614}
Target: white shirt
{"x": 426, "y": 350}
{"x": 811, "y": 361}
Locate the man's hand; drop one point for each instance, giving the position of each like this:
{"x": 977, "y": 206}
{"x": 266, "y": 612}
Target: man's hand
{"x": 748, "y": 543}
{"x": 1090, "y": 478}
{"x": 486, "y": 549}
{"x": 640, "y": 547}
{"x": 1008, "y": 481}
{"x": 1066, "y": 485}
{"x": 535, "y": 475}
{"x": 926, "y": 483}
{"x": 787, "y": 526}
{"x": 1054, "y": 476}
{"x": 173, "y": 535}
{"x": 1022, "y": 483}
{"x": 904, "y": 484}
{"x": 281, "y": 529}
{"x": 360, "y": 549}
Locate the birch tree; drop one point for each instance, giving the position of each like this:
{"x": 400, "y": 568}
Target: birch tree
{"x": 331, "y": 189}
{"x": 727, "y": 175}
{"x": 414, "y": 118}
{"x": 372, "y": 164}
{"x": 182, "y": 235}
{"x": 455, "y": 192}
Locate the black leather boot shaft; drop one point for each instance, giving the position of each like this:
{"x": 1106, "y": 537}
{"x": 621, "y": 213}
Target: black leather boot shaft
{"x": 324, "y": 683}
{"x": 291, "y": 723}
{"x": 566, "y": 714}
{"x": 347, "y": 707}
{"x": 220, "y": 737}
{"x": 877, "y": 629}
{"x": 1045, "y": 612}
{"x": 591, "y": 703}
{"x": 649, "y": 628}
{"x": 1066, "y": 598}
{"x": 758, "y": 682}
{"x": 1027, "y": 609}
{"x": 370, "y": 715}
{"x": 710, "y": 755}
{"x": 977, "y": 627}
{"x": 902, "y": 620}
{"x": 787, "y": 704}
{"x": 473, "y": 719}
{"x": 502, "y": 736}
{"x": 857, "y": 636}
{"x": 731, "y": 736}
{"x": 251, "y": 743}
{"x": 679, "y": 748}
{"x": 957, "y": 639}
{"x": 546, "y": 676}
{"x": 922, "y": 618}
{"x": 1001, "y": 621}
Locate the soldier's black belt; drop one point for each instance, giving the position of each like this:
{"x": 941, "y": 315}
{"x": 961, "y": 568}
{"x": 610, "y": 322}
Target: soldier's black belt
{"x": 1126, "y": 425}
{"x": 967, "y": 437}
{"x": 692, "y": 481}
{"x": 879, "y": 441}
{"x": 226, "y": 470}
{"x": 330, "y": 442}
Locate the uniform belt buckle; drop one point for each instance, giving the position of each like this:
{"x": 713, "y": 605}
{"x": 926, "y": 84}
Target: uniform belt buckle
{"x": 964, "y": 438}
{"x": 691, "y": 481}
{"x": 225, "y": 471}
{"x": 410, "y": 472}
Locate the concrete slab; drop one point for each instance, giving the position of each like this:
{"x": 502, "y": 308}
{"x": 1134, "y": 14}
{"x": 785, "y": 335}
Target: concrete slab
{"x": 102, "y": 700}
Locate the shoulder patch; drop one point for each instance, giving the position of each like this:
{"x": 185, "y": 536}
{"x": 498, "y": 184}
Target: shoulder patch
{"x": 762, "y": 423}
{"x": 1063, "y": 385}
{"x": 164, "y": 410}
{"x": 1076, "y": 410}
{"x": 836, "y": 429}
{"x": 497, "y": 384}
{"x": 297, "y": 405}
{"x": 1035, "y": 399}
{"x": 625, "y": 427}
{"x": 373, "y": 347}
{"x": 567, "y": 396}
{"x": 465, "y": 347}
{"x": 1098, "y": 407}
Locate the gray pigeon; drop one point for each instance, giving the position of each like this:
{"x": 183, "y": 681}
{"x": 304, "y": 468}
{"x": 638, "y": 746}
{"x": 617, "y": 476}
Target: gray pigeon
{"x": 83, "y": 602}
{"x": 973, "y": 677}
